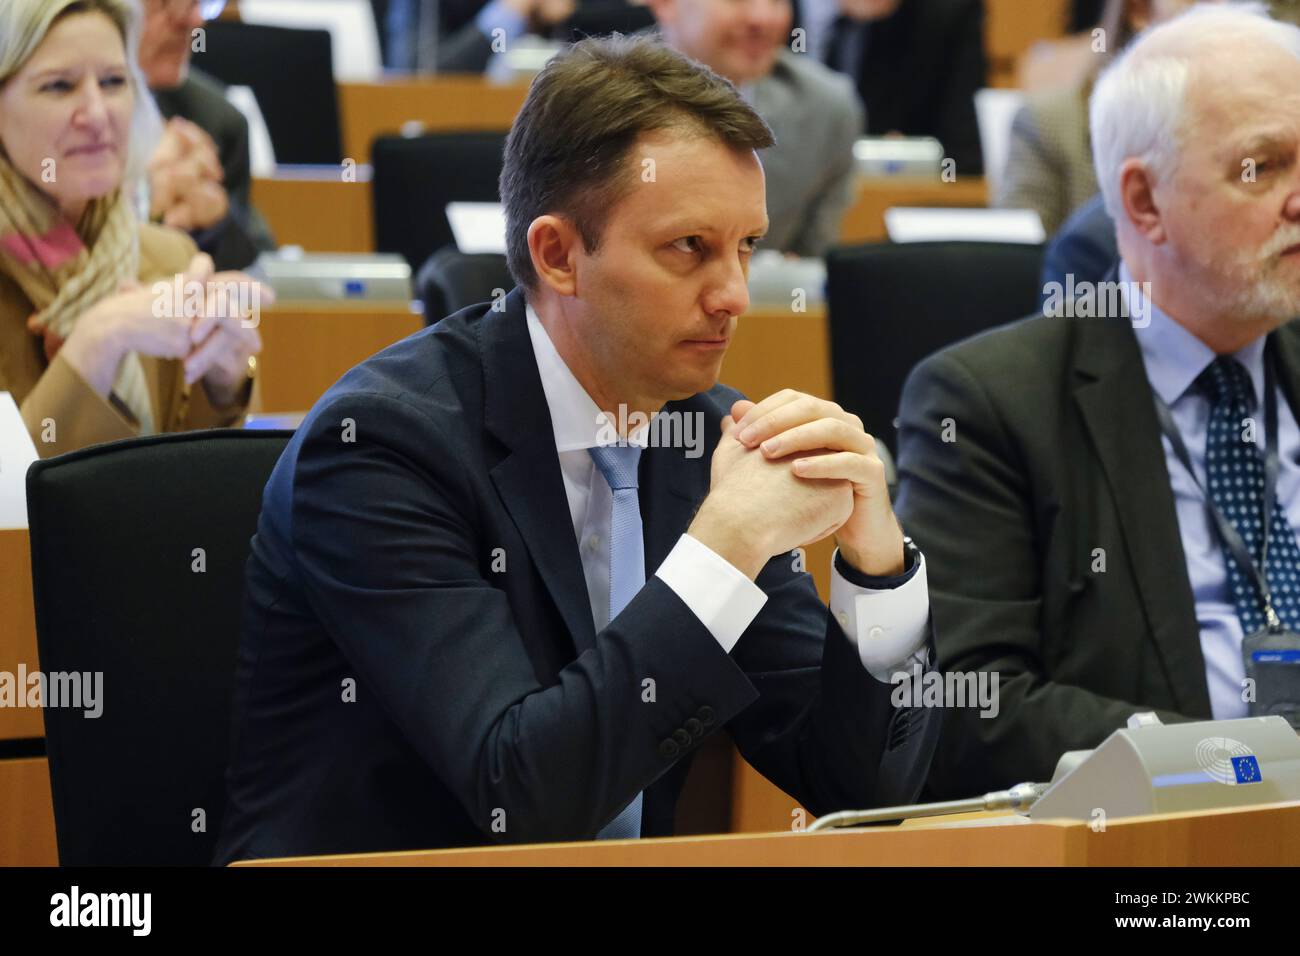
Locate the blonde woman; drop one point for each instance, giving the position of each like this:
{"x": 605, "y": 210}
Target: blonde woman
{"x": 95, "y": 345}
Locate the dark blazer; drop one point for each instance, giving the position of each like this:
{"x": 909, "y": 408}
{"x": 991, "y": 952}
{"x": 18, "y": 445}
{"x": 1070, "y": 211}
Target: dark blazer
{"x": 1056, "y": 466}
{"x": 481, "y": 691}
{"x": 462, "y": 46}
{"x": 1085, "y": 247}
{"x": 918, "y": 71}
{"x": 237, "y": 240}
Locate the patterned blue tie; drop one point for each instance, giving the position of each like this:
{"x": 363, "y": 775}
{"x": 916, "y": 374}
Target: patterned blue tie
{"x": 1234, "y": 470}
{"x": 618, "y": 463}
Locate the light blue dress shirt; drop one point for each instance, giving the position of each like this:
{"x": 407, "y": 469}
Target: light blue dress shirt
{"x": 1174, "y": 357}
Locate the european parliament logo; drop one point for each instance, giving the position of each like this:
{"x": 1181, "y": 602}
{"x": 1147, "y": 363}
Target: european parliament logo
{"x": 1228, "y": 761}
{"x": 1246, "y": 768}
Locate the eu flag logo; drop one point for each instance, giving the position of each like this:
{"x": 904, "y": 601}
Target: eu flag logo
{"x": 1247, "y": 769}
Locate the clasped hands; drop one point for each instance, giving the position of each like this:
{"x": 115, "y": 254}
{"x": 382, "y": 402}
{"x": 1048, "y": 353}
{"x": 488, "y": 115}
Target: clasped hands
{"x": 185, "y": 179}
{"x": 787, "y": 472}
{"x": 213, "y": 339}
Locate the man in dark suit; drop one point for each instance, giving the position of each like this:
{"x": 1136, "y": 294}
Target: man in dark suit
{"x": 1074, "y": 553}
{"x": 200, "y": 177}
{"x": 917, "y": 65}
{"x": 491, "y": 599}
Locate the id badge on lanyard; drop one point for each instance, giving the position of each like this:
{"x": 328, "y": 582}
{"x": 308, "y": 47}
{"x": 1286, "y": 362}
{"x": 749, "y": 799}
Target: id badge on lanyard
{"x": 1273, "y": 666}
{"x": 1272, "y": 655}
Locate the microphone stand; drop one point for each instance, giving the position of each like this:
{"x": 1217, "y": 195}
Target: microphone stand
{"x": 1019, "y": 798}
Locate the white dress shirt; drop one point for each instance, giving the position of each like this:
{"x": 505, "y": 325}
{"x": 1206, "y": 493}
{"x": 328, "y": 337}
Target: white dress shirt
{"x": 888, "y": 626}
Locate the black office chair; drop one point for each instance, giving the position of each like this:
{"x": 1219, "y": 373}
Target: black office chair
{"x": 452, "y": 280}
{"x": 598, "y": 18}
{"x": 291, "y": 72}
{"x": 122, "y": 589}
{"x": 416, "y": 176}
{"x": 889, "y": 305}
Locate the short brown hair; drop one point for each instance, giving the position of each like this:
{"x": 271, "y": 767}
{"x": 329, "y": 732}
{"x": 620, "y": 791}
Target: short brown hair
{"x": 566, "y": 151}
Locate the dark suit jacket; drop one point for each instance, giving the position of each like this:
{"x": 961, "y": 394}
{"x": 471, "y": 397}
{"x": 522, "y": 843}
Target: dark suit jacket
{"x": 481, "y": 691}
{"x": 918, "y": 72}
{"x": 462, "y": 46}
{"x": 468, "y": 50}
{"x": 1057, "y": 464}
{"x": 236, "y": 241}
{"x": 1085, "y": 247}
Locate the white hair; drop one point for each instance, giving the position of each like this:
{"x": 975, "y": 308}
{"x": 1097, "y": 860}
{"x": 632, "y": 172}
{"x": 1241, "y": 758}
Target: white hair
{"x": 1138, "y": 106}
{"x": 23, "y": 27}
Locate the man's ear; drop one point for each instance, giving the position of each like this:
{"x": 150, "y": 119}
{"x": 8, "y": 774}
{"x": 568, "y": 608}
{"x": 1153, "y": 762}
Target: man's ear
{"x": 1137, "y": 195}
{"x": 553, "y": 244}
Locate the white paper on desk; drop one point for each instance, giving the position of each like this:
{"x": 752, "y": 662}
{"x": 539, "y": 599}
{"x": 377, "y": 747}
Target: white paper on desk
{"x": 16, "y": 453}
{"x": 478, "y": 226}
{"x": 923, "y": 224}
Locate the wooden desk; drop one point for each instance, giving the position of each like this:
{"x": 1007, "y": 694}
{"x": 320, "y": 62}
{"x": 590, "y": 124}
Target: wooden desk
{"x": 322, "y": 213}
{"x": 316, "y": 208}
{"x": 440, "y": 103}
{"x": 1258, "y": 836}
{"x": 463, "y": 102}
{"x": 307, "y": 346}
{"x": 26, "y": 814}
{"x": 17, "y": 630}
{"x": 777, "y": 348}
{"x": 865, "y": 219}
{"x": 26, "y": 810}
{"x": 1011, "y": 27}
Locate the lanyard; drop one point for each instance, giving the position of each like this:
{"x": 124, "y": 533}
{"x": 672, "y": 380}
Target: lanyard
{"x": 1227, "y": 532}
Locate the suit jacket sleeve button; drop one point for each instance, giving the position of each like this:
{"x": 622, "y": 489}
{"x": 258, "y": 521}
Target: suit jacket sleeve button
{"x": 682, "y": 737}
{"x": 705, "y": 714}
{"x": 694, "y": 726}
{"x": 668, "y": 749}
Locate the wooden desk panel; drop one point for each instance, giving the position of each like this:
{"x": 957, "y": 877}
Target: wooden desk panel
{"x": 17, "y": 630}
{"x": 865, "y": 219}
{"x": 1011, "y": 27}
{"x": 443, "y": 103}
{"x": 777, "y": 348}
{"x": 319, "y": 213}
{"x": 1258, "y": 836}
{"x": 307, "y": 346}
{"x": 330, "y": 215}
{"x": 26, "y": 814}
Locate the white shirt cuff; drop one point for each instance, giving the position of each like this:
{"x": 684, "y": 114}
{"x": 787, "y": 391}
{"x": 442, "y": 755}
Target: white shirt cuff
{"x": 725, "y": 601}
{"x": 888, "y": 626}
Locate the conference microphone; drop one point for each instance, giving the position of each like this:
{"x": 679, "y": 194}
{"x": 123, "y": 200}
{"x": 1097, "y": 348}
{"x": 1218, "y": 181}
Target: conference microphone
{"x": 1020, "y": 798}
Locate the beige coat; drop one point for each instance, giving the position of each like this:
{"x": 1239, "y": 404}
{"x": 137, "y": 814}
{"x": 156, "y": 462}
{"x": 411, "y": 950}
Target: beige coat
{"x": 54, "y": 394}
{"x": 1049, "y": 162}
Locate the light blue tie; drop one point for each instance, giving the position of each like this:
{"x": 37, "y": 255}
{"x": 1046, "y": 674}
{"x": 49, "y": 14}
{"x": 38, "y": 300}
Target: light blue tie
{"x": 618, "y": 464}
